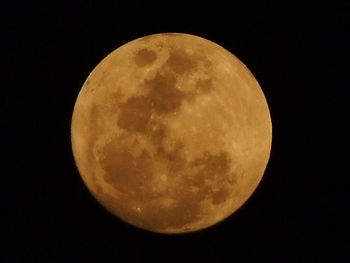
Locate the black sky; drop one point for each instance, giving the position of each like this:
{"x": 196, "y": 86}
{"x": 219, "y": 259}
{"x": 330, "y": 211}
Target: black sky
{"x": 299, "y": 55}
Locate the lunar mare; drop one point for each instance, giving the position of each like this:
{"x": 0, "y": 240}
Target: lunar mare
{"x": 171, "y": 133}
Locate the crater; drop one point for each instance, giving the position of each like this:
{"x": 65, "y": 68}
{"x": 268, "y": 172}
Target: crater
{"x": 180, "y": 62}
{"x": 145, "y": 57}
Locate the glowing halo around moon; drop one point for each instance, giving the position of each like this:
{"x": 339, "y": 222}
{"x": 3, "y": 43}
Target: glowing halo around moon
{"x": 171, "y": 133}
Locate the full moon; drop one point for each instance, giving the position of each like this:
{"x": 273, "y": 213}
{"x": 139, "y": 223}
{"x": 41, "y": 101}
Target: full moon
{"x": 171, "y": 133}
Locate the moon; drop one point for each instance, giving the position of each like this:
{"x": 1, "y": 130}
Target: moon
{"x": 171, "y": 133}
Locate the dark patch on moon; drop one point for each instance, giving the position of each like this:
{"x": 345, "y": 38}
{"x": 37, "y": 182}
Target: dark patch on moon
{"x": 212, "y": 167}
{"x": 135, "y": 114}
{"x": 220, "y": 196}
{"x": 163, "y": 95}
{"x": 123, "y": 170}
{"x": 213, "y": 164}
{"x": 180, "y": 62}
{"x": 204, "y": 85}
{"x": 145, "y": 57}
{"x": 162, "y": 98}
{"x": 188, "y": 209}
{"x": 174, "y": 158}
{"x": 157, "y": 132}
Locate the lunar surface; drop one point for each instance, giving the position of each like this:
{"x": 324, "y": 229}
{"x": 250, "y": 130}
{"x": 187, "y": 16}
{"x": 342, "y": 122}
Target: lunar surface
{"x": 171, "y": 133}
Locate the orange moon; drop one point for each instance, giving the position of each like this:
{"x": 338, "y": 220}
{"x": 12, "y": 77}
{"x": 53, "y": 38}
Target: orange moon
{"x": 171, "y": 133}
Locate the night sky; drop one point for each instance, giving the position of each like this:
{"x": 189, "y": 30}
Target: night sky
{"x": 298, "y": 54}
